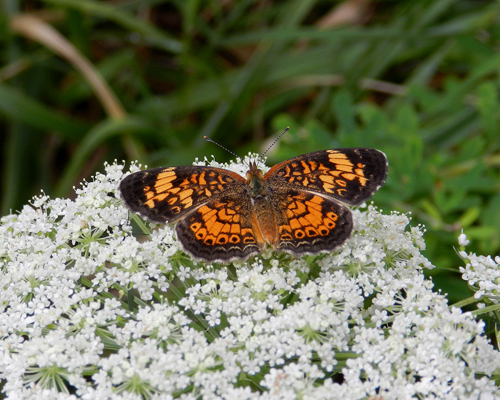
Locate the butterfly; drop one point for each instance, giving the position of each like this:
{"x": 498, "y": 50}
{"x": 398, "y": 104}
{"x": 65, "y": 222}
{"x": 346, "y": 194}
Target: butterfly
{"x": 299, "y": 206}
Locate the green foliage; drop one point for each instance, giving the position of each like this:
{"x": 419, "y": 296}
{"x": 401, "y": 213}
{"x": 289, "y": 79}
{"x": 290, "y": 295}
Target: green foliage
{"x": 417, "y": 80}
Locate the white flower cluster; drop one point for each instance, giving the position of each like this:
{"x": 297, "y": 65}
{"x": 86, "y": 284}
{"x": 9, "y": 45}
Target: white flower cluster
{"x": 481, "y": 272}
{"x": 92, "y": 310}
{"x": 240, "y": 166}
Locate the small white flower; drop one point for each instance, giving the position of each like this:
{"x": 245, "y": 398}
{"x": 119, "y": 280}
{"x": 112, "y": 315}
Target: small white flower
{"x": 183, "y": 273}
{"x": 462, "y": 239}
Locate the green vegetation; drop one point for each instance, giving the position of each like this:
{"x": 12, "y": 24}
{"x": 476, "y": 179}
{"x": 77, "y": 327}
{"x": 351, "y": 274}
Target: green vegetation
{"x": 415, "y": 79}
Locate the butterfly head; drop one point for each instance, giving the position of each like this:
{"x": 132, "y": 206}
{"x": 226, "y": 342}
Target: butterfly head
{"x": 255, "y": 180}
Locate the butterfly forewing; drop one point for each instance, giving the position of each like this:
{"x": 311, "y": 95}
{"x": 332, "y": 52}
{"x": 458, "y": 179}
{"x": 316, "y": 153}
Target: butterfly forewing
{"x": 167, "y": 194}
{"x": 348, "y": 175}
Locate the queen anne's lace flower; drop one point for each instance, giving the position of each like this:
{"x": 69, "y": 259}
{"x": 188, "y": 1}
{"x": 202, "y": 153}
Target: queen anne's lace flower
{"x": 481, "y": 272}
{"x": 93, "y": 309}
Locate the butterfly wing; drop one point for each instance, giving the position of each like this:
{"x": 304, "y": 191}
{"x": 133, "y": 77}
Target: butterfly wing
{"x": 349, "y": 175}
{"x": 219, "y": 220}
{"x": 167, "y": 194}
{"x": 308, "y": 223}
{"x": 221, "y": 230}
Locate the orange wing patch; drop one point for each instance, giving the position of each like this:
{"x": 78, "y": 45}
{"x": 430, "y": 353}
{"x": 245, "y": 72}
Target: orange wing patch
{"x": 346, "y": 168}
{"x": 306, "y": 218}
{"x": 220, "y": 230}
{"x": 310, "y": 223}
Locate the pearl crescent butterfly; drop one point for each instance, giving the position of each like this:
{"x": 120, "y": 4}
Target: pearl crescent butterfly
{"x": 298, "y": 206}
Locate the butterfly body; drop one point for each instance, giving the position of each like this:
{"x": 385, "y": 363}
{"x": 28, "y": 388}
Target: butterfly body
{"x": 298, "y": 206}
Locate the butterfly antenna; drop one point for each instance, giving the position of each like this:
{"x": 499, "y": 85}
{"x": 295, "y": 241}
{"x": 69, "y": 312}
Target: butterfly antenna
{"x": 273, "y": 143}
{"x": 221, "y": 146}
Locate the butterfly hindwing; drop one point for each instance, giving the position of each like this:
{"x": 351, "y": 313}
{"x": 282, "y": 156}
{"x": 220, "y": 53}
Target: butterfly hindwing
{"x": 308, "y": 223}
{"x": 221, "y": 230}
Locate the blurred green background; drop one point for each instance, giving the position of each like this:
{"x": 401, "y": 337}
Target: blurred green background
{"x": 83, "y": 82}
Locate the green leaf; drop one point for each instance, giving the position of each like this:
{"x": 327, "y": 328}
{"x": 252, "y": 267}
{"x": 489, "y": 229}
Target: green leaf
{"x": 488, "y": 106}
{"x": 344, "y": 112}
{"x": 149, "y": 32}
{"x": 17, "y": 106}
{"x": 469, "y": 217}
